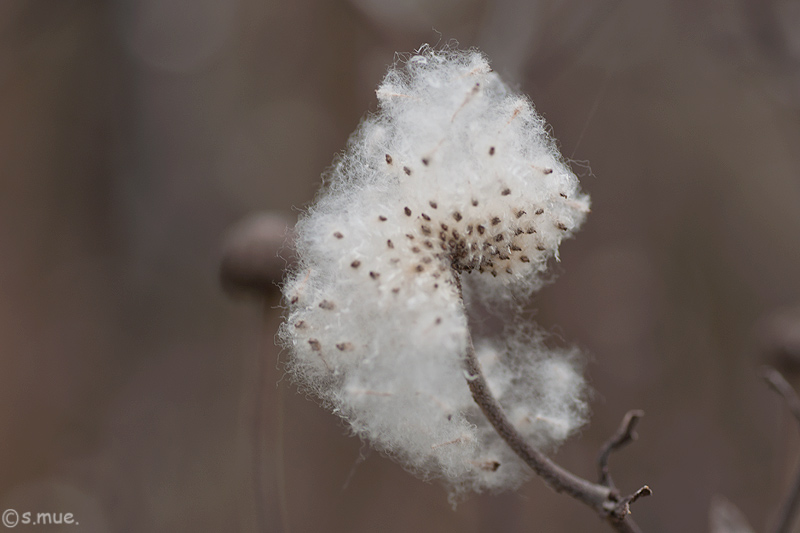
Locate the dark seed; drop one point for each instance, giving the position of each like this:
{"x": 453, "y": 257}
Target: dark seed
{"x": 374, "y": 275}
{"x": 539, "y": 211}
{"x": 389, "y": 243}
{"x": 382, "y": 218}
{"x": 407, "y": 171}
{"x": 344, "y": 346}
{"x": 506, "y": 192}
{"x": 433, "y": 204}
{"x": 315, "y": 345}
{"x": 388, "y": 159}
{"x": 524, "y": 259}
{"x": 457, "y": 216}
{"x": 425, "y": 161}
{"x": 495, "y": 221}
{"x": 407, "y": 211}
{"x": 475, "y": 202}
{"x": 481, "y": 229}
{"x": 327, "y": 305}
{"x": 338, "y": 235}
{"x": 498, "y": 238}
{"x": 355, "y": 264}
{"x": 426, "y": 217}
{"x": 491, "y": 150}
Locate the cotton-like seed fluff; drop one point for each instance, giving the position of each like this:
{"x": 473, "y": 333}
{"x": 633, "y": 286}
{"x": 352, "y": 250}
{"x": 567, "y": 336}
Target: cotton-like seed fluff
{"x": 455, "y": 175}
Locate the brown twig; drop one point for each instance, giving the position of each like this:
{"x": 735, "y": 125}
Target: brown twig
{"x": 606, "y": 501}
{"x": 625, "y": 433}
{"x": 789, "y": 509}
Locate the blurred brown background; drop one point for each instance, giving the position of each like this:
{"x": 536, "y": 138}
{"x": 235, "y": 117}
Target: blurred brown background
{"x": 133, "y": 134}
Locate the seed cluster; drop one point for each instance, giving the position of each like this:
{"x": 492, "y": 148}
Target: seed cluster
{"x": 471, "y": 241}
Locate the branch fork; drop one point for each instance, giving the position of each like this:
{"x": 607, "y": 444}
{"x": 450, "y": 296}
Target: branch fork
{"x": 603, "y": 497}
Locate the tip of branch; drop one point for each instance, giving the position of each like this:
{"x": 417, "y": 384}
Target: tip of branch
{"x": 623, "y": 508}
{"x": 641, "y": 493}
{"x": 629, "y": 422}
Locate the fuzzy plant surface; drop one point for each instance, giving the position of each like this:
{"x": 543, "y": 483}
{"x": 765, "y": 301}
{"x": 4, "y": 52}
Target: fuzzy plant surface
{"x": 454, "y": 182}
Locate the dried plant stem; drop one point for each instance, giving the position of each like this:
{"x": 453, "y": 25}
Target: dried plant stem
{"x": 625, "y": 434}
{"x": 605, "y": 500}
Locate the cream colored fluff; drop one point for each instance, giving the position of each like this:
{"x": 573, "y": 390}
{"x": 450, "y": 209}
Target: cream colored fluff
{"x": 455, "y": 175}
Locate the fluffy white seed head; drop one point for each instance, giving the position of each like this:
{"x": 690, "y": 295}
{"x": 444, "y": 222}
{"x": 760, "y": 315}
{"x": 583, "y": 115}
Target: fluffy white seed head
{"x": 455, "y": 175}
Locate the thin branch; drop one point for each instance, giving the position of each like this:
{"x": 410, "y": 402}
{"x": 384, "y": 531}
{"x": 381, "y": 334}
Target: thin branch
{"x": 625, "y": 433}
{"x": 789, "y": 509}
{"x": 559, "y": 479}
{"x": 604, "y": 500}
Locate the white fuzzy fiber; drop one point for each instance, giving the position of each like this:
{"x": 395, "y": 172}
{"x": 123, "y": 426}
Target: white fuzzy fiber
{"x": 455, "y": 175}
